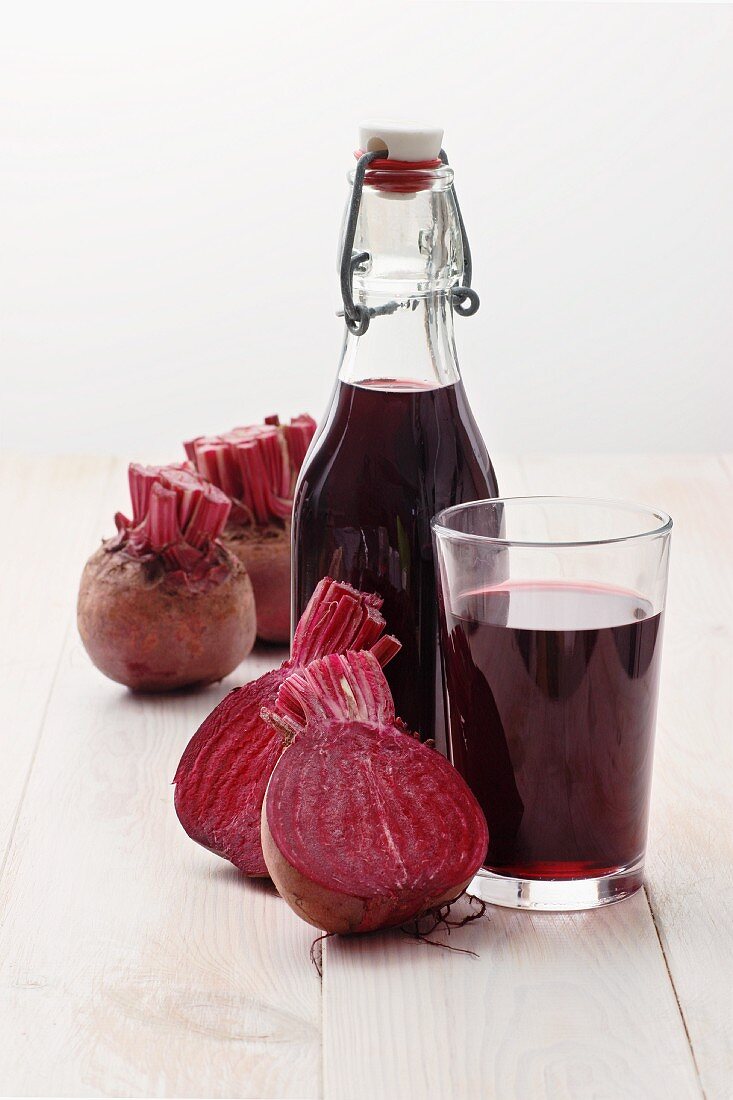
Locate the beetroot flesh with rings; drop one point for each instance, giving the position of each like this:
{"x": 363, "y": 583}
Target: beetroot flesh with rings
{"x": 222, "y": 777}
{"x": 363, "y": 826}
{"x": 257, "y": 467}
{"x": 164, "y": 605}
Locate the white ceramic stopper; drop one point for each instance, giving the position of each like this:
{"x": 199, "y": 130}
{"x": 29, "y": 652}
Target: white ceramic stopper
{"x": 404, "y": 140}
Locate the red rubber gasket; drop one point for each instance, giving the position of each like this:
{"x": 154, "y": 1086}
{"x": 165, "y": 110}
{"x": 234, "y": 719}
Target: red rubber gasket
{"x": 403, "y": 176}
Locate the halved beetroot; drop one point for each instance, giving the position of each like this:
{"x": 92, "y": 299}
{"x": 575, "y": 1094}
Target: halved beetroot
{"x": 363, "y": 827}
{"x": 222, "y": 776}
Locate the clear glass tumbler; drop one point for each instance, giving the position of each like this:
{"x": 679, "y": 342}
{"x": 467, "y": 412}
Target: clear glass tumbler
{"x": 551, "y": 632}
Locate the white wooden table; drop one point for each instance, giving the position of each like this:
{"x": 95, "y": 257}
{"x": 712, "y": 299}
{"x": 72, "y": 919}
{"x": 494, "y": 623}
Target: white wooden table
{"x": 134, "y": 963}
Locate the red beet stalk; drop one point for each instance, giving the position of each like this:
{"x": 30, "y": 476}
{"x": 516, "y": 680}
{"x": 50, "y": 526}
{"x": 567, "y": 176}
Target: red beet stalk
{"x": 223, "y": 774}
{"x": 363, "y": 827}
{"x": 176, "y": 515}
{"x": 257, "y": 468}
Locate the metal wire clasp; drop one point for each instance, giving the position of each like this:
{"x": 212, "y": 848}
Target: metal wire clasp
{"x": 466, "y": 300}
{"x": 357, "y": 317}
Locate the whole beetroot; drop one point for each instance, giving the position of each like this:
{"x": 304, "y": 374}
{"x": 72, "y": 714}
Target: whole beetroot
{"x": 222, "y": 776}
{"x": 165, "y": 605}
{"x": 363, "y": 827}
{"x": 257, "y": 468}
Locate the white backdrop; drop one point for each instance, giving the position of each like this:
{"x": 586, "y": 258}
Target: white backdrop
{"x": 172, "y": 183}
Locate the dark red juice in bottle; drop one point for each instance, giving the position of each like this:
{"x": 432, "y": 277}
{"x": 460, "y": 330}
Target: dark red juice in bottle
{"x": 399, "y": 442}
{"x": 553, "y": 692}
{"x": 390, "y": 455}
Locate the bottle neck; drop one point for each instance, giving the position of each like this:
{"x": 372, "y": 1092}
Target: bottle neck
{"x": 415, "y": 259}
{"x": 414, "y": 344}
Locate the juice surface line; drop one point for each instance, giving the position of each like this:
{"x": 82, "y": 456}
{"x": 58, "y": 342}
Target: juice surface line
{"x": 399, "y": 441}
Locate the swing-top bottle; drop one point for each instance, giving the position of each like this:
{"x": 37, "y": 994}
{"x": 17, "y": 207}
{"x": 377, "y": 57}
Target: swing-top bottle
{"x": 399, "y": 442}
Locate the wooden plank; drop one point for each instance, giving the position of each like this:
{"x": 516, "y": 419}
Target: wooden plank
{"x": 556, "y": 1005}
{"x": 133, "y": 962}
{"x": 571, "y": 1005}
{"x": 51, "y": 507}
{"x": 690, "y": 864}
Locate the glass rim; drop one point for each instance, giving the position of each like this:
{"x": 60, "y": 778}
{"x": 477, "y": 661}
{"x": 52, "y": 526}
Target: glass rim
{"x": 663, "y": 527}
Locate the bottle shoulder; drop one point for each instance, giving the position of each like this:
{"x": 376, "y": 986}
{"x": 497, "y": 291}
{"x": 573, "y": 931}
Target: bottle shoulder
{"x": 412, "y": 445}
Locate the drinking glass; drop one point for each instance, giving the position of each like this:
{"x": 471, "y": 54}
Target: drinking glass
{"x": 551, "y": 632}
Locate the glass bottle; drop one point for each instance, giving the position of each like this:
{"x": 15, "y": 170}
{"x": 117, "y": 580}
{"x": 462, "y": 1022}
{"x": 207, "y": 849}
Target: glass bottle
{"x": 399, "y": 442}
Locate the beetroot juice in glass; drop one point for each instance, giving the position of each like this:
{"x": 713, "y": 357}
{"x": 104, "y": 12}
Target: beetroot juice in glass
{"x": 551, "y": 615}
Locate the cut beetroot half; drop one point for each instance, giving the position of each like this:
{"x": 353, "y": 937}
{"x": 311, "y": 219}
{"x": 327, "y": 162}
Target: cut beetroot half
{"x": 363, "y": 827}
{"x": 221, "y": 779}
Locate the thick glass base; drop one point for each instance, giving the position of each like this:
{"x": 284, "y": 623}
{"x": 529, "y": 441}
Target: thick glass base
{"x": 558, "y": 895}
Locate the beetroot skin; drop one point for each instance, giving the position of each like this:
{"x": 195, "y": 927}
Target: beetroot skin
{"x": 363, "y": 827}
{"x": 164, "y": 604}
{"x": 265, "y": 554}
{"x": 149, "y": 632}
{"x": 222, "y": 777}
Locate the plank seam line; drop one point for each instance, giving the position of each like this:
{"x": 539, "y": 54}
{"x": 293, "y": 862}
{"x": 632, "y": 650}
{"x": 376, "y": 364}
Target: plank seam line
{"x": 674, "y": 990}
{"x": 34, "y": 754}
{"x": 322, "y": 1089}
{"x": 723, "y": 461}
{"x": 42, "y": 724}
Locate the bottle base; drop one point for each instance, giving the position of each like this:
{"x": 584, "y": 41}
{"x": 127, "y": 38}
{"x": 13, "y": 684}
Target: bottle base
{"x": 556, "y": 895}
